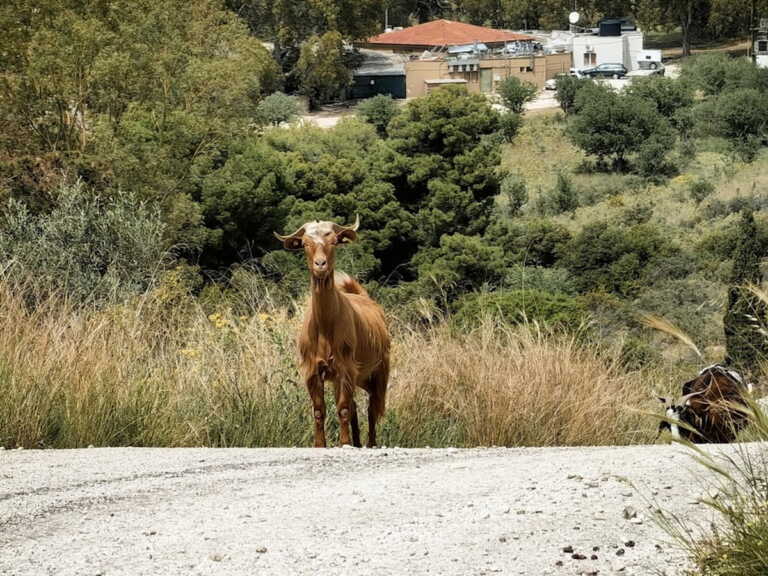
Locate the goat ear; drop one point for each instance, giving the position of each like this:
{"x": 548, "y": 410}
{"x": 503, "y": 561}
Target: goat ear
{"x": 292, "y": 242}
{"x": 346, "y": 234}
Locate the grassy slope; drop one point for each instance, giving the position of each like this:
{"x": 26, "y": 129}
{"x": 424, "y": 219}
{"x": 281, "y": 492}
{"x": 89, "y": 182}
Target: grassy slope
{"x": 159, "y": 371}
{"x": 542, "y": 149}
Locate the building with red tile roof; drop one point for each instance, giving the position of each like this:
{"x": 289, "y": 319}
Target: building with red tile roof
{"x": 440, "y": 33}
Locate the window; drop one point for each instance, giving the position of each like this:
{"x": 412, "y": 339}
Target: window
{"x": 524, "y": 69}
{"x": 590, "y": 59}
{"x": 762, "y": 45}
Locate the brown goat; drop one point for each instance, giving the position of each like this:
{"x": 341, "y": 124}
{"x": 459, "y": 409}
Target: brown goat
{"x": 712, "y": 409}
{"x": 344, "y": 337}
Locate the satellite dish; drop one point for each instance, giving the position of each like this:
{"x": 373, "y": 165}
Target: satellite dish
{"x": 573, "y": 17}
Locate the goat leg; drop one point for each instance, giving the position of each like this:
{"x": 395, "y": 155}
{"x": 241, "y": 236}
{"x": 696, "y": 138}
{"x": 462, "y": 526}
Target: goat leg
{"x": 343, "y": 405}
{"x": 316, "y": 393}
{"x": 355, "y": 427}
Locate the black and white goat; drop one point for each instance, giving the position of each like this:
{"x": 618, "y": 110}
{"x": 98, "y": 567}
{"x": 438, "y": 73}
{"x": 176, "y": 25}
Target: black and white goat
{"x": 712, "y": 409}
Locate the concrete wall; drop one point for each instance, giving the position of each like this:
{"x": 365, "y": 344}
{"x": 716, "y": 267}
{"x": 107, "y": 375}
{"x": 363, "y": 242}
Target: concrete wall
{"x": 761, "y": 51}
{"x": 635, "y": 48}
{"x": 535, "y": 69}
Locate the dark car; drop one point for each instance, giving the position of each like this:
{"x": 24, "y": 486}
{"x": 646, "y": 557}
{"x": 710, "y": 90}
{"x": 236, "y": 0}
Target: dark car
{"x": 605, "y": 71}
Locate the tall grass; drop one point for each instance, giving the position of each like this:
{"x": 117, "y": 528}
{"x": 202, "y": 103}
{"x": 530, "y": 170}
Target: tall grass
{"x": 515, "y": 386}
{"x": 159, "y": 371}
{"x": 736, "y": 543}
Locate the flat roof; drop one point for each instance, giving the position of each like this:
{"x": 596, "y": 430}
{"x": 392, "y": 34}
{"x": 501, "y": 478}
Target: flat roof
{"x": 446, "y": 81}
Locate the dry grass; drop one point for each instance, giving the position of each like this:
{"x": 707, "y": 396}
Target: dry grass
{"x": 158, "y": 371}
{"x": 540, "y": 151}
{"x": 518, "y": 386}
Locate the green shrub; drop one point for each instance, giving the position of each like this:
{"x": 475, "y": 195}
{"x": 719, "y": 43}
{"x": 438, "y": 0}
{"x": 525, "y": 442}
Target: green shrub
{"x": 148, "y": 96}
{"x": 87, "y": 248}
{"x": 611, "y": 125}
{"x": 607, "y": 257}
{"x": 741, "y": 116}
{"x": 652, "y": 161}
{"x": 516, "y": 93}
{"x": 637, "y": 353}
{"x": 531, "y": 242}
{"x": 555, "y": 280}
{"x": 562, "y": 198}
{"x": 637, "y": 214}
{"x": 276, "y": 109}
{"x": 321, "y": 68}
{"x": 746, "y": 313}
{"x": 515, "y": 306}
{"x": 692, "y": 303}
{"x": 667, "y": 95}
{"x": 717, "y": 208}
{"x": 719, "y": 242}
{"x": 589, "y": 91}
{"x": 700, "y": 189}
{"x": 379, "y": 111}
{"x": 514, "y": 193}
{"x": 245, "y": 200}
{"x": 598, "y": 187}
{"x": 460, "y": 264}
{"x": 510, "y": 126}
{"x": 446, "y": 167}
{"x": 717, "y": 72}
{"x": 684, "y": 121}
{"x": 567, "y": 89}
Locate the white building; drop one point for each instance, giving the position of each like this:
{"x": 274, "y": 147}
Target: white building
{"x": 613, "y": 42}
{"x": 761, "y": 44}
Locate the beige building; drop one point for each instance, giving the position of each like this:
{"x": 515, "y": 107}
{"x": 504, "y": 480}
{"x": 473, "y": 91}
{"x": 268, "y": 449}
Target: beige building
{"x": 447, "y": 52}
{"x": 481, "y": 74}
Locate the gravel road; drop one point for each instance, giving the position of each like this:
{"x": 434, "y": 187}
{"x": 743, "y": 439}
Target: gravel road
{"x": 299, "y": 511}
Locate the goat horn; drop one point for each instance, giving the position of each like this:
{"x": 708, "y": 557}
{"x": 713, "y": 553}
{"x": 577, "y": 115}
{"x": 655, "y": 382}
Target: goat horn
{"x": 292, "y": 241}
{"x": 298, "y": 234}
{"x": 683, "y": 399}
{"x": 354, "y": 227}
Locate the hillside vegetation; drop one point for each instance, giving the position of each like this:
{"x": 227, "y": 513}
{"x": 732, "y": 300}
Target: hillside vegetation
{"x": 147, "y": 301}
{"x": 158, "y": 370}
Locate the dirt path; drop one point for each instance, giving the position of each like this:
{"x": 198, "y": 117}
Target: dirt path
{"x": 300, "y": 511}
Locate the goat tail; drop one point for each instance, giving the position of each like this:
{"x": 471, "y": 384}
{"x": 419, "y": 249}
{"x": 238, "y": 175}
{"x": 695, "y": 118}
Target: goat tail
{"x": 378, "y": 389}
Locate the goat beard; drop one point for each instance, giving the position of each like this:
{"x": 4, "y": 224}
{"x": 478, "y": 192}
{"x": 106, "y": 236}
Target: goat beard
{"x": 322, "y": 279}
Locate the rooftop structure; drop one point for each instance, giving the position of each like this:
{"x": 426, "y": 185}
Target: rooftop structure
{"x": 442, "y": 33}
{"x": 613, "y": 41}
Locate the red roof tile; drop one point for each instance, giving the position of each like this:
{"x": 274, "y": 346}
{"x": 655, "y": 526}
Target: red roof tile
{"x": 445, "y": 33}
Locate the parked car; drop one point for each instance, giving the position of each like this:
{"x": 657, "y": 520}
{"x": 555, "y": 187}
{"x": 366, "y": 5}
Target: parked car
{"x": 605, "y": 71}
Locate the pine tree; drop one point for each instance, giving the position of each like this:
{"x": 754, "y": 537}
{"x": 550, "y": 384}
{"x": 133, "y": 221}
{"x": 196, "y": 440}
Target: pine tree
{"x": 744, "y": 345}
